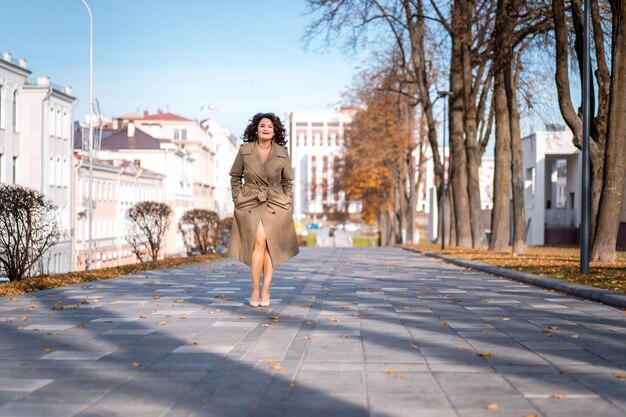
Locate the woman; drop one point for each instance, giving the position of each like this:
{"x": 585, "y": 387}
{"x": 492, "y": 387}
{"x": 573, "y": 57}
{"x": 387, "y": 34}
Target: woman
{"x": 263, "y": 234}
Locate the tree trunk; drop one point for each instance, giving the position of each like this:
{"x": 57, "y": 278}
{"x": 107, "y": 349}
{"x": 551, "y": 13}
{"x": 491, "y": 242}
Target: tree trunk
{"x": 517, "y": 167}
{"x": 502, "y": 179}
{"x": 471, "y": 142}
{"x": 615, "y": 162}
{"x": 457, "y": 147}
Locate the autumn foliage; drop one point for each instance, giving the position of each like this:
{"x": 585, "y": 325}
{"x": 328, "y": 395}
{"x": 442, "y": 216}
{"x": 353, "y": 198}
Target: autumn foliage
{"x": 373, "y": 171}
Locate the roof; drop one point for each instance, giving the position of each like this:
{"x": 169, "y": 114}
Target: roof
{"x": 164, "y": 116}
{"x": 119, "y": 139}
{"x": 122, "y": 165}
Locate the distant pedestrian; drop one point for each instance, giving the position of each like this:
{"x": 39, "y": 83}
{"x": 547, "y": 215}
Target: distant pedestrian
{"x": 331, "y": 235}
{"x": 263, "y": 234}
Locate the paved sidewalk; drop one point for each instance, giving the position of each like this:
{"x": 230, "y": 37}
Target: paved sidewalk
{"x": 350, "y": 332}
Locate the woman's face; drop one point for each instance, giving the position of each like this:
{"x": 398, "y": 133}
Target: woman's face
{"x": 265, "y": 130}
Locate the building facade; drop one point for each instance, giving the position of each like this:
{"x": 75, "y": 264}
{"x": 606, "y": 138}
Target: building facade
{"x": 36, "y": 147}
{"x": 316, "y": 139}
{"x": 191, "y": 136}
{"x": 116, "y": 186}
{"x": 226, "y": 146}
{"x": 174, "y": 163}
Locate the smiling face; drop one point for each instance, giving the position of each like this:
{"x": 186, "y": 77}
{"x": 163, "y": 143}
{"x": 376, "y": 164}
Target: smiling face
{"x": 265, "y": 130}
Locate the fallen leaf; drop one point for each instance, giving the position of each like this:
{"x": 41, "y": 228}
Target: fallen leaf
{"x": 445, "y": 324}
{"x": 142, "y": 317}
{"x": 492, "y": 406}
{"x": 199, "y": 343}
{"x": 345, "y": 336}
{"x": 621, "y": 376}
{"x": 229, "y": 299}
{"x": 265, "y": 325}
{"x": 8, "y": 319}
{"x": 114, "y": 302}
{"x": 574, "y": 336}
{"x": 136, "y": 364}
{"x": 292, "y": 385}
{"x": 81, "y": 326}
{"x": 531, "y": 415}
{"x": 157, "y": 296}
{"x": 332, "y": 319}
{"x": 558, "y": 396}
{"x": 566, "y": 372}
{"x": 179, "y": 301}
{"x": 414, "y": 346}
{"x": 553, "y": 327}
{"x": 58, "y": 307}
{"x": 270, "y": 361}
{"x": 182, "y": 317}
{"x": 394, "y": 373}
{"x": 506, "y": 318}
{"x": 345, "y": 307}
{"x": 306, "y": 338}
{"x": 483, "y": 353}
{"x": 47, "y": 350}
{"x": 279, "y": 368}
{"x": 161, "y": 323}
{"x": 309, "y": 322}
{"x": 14, "y": 299}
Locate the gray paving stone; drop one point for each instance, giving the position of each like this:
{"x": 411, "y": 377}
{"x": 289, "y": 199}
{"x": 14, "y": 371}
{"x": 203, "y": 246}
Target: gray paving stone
{"x": 350, "y": 332}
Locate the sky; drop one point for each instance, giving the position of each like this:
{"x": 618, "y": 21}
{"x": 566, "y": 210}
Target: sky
{"x": 239, "y": 56}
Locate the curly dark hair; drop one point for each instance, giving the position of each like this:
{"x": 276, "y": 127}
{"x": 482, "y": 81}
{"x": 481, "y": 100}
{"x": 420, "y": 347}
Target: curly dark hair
{"x": 249, "y": 135}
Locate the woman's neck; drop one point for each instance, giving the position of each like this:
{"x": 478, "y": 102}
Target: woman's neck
{"x": 264, "y": 143}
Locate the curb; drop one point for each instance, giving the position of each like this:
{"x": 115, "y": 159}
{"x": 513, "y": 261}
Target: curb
{"x": 581, "y": 291}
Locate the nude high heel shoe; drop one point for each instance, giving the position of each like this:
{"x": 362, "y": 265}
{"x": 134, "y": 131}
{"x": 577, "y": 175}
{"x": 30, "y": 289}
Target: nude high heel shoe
{"x": 265, "y": 303}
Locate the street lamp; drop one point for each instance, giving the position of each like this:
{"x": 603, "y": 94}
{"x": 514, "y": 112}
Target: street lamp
{"x": 444, "y": 95}
{"x": 90, "y": 207}
{"x": 584, "y": 214}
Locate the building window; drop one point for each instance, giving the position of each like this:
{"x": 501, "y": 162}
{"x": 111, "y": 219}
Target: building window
{"x": 15, "y": 112}
{"x": 176, "y": 134}
{"x": 184, "y": 134}
{"x": 1, "y": 107}
{"x": 14, "y": 170}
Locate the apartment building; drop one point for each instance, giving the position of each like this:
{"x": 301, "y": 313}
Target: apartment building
{"x": 36, "y": 146}
{"x": 173, "y": 162}
{"x": 316, "y": 138}
{"x": 116, "y": 186}
{"x": 226, "y": 146}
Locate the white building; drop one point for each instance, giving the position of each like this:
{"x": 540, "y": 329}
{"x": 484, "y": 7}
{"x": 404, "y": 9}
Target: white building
{"x": 36, "y": 147}
{"x": 117, "y": 186}
{"x": 226, "y": 146}
{"x": 191, "y": 136}
{"x": 316, "y": 138}
{"x": 552, "y": 200}
{"x": 162, "y": 156}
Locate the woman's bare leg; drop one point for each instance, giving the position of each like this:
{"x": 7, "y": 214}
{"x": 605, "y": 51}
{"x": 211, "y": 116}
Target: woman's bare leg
{"x": 268, "y": 272}
{"x": 258, "y": 255}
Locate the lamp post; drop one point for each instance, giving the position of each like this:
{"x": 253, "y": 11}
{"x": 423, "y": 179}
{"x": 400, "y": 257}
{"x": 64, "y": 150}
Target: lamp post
{"x": 90, "y": 207}
{"x": 584, "y": 214}
{"x": 444, "y": 95}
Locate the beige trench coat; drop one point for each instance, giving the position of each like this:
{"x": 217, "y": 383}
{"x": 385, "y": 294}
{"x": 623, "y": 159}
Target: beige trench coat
{"x": 264, "y": 196}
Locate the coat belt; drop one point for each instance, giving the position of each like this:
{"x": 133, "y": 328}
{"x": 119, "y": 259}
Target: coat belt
{"x": 262, "y": 190}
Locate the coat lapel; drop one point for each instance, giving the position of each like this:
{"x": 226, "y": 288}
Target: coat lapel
{"x": 274, "y": 161}
{"x": 253, "y": 161}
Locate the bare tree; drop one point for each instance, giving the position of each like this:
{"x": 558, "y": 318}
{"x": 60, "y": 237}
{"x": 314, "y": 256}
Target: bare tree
{"x": 28, "y": 228}
{"x": 400, "y": 26}
{"x": 147, "y": 223}
{"x": 199, "y": 230}
{"x": 608, "y": 142}
{"x": 223, "y": 233}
